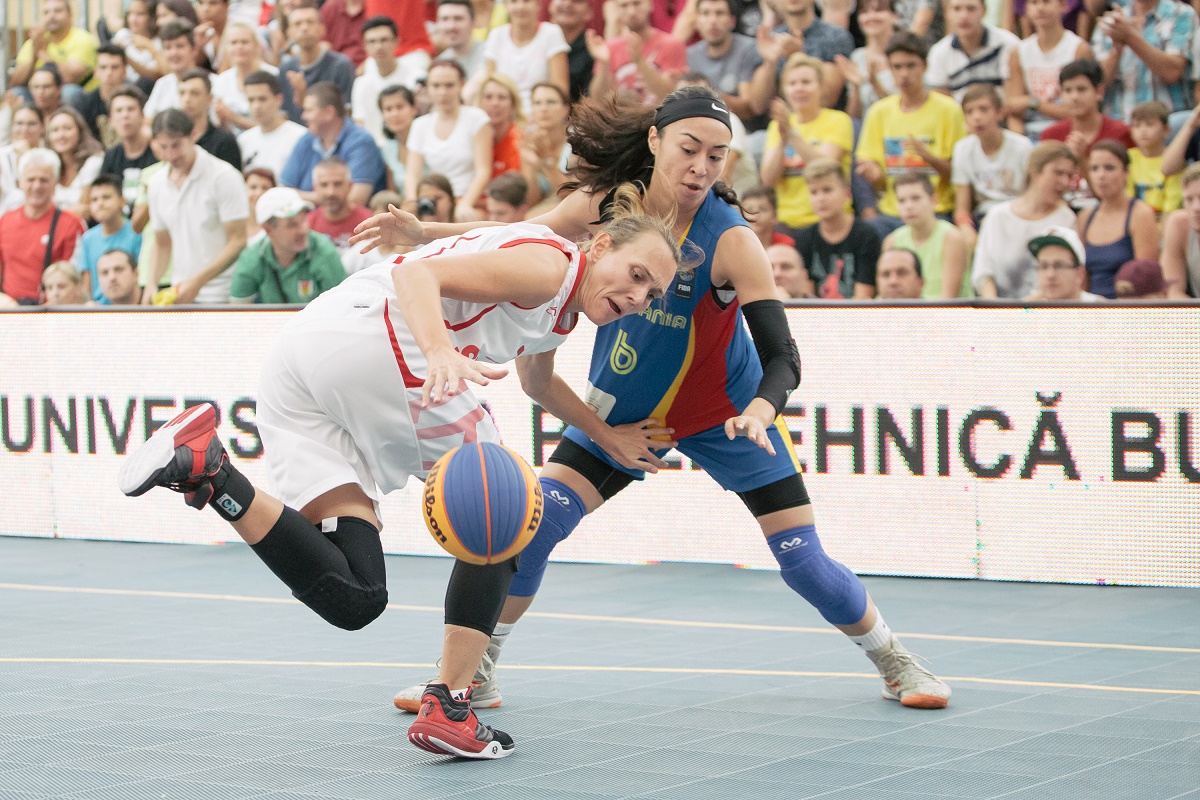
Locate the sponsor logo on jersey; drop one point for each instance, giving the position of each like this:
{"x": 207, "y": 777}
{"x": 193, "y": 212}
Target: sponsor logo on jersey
{"x": 684, "y": 285}
{"x": 623, "y": 357}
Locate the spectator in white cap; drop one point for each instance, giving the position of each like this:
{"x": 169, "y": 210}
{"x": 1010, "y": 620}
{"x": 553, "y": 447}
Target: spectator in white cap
{"x": 1061, "y": 266}
{"x": 291, "y": 264}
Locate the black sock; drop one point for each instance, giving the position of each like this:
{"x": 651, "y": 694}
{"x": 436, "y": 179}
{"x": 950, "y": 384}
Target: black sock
{"x": 232, "y": 492}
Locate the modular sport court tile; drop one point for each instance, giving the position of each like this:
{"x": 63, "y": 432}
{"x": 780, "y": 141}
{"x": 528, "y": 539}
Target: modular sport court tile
{"x": 132, "y": 671}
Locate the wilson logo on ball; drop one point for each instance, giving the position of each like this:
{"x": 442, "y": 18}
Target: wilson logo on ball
{"x": 482, "y": 503}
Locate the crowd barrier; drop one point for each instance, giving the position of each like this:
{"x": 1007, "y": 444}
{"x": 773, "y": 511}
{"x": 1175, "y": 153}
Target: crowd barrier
{"x": 953, "y": 440}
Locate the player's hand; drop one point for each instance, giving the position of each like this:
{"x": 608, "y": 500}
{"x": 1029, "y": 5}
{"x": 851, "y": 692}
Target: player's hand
{"x": 392, "y": 228}
{"x": 449, "y": 371}
{"x": 752, "y": 428}
{"x": 633, "y": 445}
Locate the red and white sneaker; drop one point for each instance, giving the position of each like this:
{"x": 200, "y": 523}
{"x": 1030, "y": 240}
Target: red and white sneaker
{"x": 449, "y": 727}
{"x": 181, "y": 455}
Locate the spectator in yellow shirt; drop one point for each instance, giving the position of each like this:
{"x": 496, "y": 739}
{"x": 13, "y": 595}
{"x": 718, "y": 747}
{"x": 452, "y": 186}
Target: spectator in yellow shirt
{"x": 57, "y": 41}
{"x": 800, "y": 132}
{"x": 912, "y": 131}
{"x": 1149, "y": 128}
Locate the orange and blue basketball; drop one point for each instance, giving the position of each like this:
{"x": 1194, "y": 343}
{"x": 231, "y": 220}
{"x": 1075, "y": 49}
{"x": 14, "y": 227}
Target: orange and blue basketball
{"x": 482, "y": 503}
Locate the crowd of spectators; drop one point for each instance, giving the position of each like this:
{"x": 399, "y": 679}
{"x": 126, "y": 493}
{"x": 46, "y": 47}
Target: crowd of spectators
{"x": 223, "y": 151}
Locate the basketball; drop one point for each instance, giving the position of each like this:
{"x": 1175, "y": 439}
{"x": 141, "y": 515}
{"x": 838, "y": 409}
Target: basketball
{"x": 482, "y": 503}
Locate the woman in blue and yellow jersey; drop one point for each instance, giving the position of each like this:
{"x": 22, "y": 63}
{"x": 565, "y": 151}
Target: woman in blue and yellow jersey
{"x": 683, "y": 374}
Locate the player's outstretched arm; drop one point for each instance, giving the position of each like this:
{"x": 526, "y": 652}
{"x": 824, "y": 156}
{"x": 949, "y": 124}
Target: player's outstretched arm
{"x": 632, "y": 446}
{"x": 527, "y": 274}
{"x": 741, "y": 262}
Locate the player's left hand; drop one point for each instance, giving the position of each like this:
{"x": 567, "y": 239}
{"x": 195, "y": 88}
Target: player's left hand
{"x": 449, "y": 371}
{"x": 752, "y": 428}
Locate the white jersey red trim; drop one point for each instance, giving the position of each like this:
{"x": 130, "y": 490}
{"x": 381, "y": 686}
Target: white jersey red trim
{"x": 491, "y": 332}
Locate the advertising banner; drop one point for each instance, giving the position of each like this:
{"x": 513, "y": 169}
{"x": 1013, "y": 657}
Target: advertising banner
{"x": 1042, "y": 444}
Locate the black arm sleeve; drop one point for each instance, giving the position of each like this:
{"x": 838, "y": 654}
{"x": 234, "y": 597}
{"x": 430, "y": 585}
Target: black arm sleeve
{"x": 776, "y": 350}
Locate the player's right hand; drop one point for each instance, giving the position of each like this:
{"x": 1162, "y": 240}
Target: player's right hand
{"x": 633, "y": 445}
{"x": 393, "y": 228}
{"x": 448, "y": 372}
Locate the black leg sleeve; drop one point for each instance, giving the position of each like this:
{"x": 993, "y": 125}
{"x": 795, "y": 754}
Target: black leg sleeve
{"x": 476, "y": 594}
{"x": 338, "y": 573}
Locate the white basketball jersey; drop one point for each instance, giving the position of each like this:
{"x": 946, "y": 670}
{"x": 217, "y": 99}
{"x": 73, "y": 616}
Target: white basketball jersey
{"x": 491, "y": 332}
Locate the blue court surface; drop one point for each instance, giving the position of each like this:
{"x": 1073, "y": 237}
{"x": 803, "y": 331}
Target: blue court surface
{"x": 132, "y": 671}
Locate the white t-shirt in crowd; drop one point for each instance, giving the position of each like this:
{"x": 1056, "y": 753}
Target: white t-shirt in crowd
{"x": 453, "y": 156}
{"x": 270, "y": 150}
{"x": 995, "y": 178}
{"x": 212, "y": 194}
{"x": 164, "y": 95}
{"x": 1002, "y": 252}
{"x": 526, "y": 65}
{"x": 364, "y": 98}
{"x": 225, "y": 87}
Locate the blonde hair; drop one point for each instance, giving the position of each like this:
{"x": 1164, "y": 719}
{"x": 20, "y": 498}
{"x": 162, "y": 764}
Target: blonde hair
{"x": 1191, "y": 174}
{"x": 234, "y": 25}
{"x": 627, "y": 219}
{"x": 1045, "y": 154}
{"x": 506, "y": 83}
{"x": 825, "y": 168}
{"x": 68, "y": 271}
{"x": 798, "y": 60}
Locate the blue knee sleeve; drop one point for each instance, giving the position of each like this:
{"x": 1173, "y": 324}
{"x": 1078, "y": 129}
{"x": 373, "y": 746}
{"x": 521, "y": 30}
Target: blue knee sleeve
{"x": 561, "y": 514}
{"x": 832, "y": 589}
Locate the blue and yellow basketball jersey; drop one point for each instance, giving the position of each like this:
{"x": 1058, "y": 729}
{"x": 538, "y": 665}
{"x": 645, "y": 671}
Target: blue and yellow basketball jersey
{"x": 686, "y": 360}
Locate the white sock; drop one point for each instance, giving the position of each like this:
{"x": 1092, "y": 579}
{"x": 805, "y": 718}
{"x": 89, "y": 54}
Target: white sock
{"x": 459, "y": 694}
{"x": 876, "y": 638}
{"x": 499, "y": 637}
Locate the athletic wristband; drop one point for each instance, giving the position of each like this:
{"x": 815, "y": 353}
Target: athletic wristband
{"x": 776, "y": 350}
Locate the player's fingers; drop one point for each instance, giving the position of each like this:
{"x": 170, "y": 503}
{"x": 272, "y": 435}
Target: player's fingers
{"x": 730, "y": 433}
{"x": 656, "y": 461}
{"x": 495, "y": 373}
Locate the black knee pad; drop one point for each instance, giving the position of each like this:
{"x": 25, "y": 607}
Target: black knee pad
{"x": 476, "y": 593}
{"x": 347, "y": 605}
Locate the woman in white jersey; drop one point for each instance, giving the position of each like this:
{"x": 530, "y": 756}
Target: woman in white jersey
{"x": 365, "y": 388}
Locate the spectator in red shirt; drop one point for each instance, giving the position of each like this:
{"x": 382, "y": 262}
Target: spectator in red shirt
{"x": 645, "y": 60}
{"x": 343, "y": 21}
{"x": 499, "y": 98}
{"x": 1085, "y": 125}
{"x": 409, "y": 16}
{"x": 26, "y": 248}
{"x": 336, "y": 215}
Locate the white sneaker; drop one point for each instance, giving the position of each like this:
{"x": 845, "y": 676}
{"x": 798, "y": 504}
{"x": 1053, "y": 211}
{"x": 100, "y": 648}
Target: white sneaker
{"x": 906, "y": 680}
{"x": 485, "y": 691}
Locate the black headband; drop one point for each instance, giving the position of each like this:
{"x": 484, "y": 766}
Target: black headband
{"x": 673, "y": 110}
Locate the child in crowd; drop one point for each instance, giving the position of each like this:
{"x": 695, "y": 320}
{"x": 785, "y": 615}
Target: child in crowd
{"x": 505, "y": 198}
{"x": 1149, "y": 128}
{"x": 113, "y": 231}
{"x": 758, "y": 203}
{"x": 940, "y": 246}
{"x": 988, "y": 165}
{"x": 839, "y": 251}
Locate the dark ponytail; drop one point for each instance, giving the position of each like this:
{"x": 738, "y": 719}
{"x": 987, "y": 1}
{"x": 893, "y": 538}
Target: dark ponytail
{"x": 609, "y": 137}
